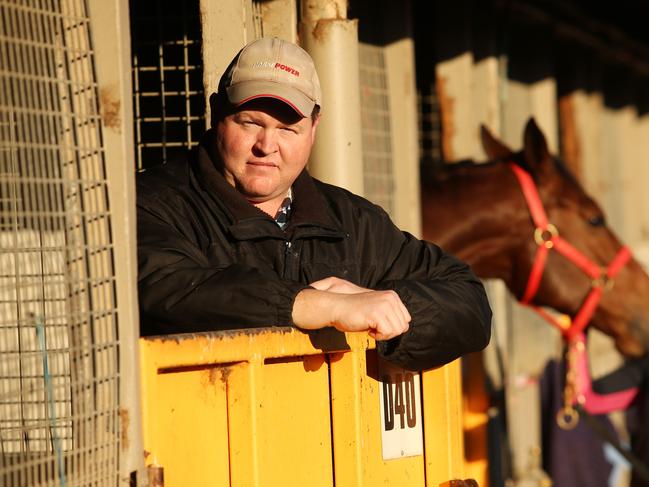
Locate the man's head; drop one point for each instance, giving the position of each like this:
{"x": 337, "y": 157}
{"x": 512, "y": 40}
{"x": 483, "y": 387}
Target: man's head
{"x": 265, "y": 116}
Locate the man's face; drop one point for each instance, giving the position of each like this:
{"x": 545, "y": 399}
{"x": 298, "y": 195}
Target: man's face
{"x": 263, "y": 147}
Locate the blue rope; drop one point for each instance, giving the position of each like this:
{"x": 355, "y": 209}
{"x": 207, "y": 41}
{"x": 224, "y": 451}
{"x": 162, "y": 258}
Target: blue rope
{"x": 40, "y": 332}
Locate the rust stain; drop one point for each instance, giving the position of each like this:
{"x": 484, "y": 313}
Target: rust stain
{"x": 216, "y": 374}
{"x": 570, "y": 143}
{"x": 320, "y": 7}
{"x": 178, "y": 338}
{"x": 125, "y": 422}
{"x": 211, "y": 375}
{"x": 446, "y": 106}
{"x": 155, "y": 474}
{"x": 110, "y": 107}
{"x": 320, "y": 29}
{"x": 225, "y": 373}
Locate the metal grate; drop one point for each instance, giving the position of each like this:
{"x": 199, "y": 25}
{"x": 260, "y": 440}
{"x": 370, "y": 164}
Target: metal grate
{"x": 168, "y": 95}
{"x": 58, "y": 326}
{"x": 376, "y": 132}
{"x": 430, "y": 127}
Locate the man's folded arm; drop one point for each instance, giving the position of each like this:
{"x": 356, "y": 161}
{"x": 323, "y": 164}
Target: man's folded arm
{"x": 450, "y": 311}
{"x": 181, "y": 291}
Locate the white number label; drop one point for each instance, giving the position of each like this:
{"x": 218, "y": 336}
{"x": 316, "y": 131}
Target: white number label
{"x": 400, "y": 397}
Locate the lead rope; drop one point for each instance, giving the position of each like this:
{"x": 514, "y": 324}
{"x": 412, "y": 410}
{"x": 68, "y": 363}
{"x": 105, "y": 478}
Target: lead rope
{"x": 568, "y": 415}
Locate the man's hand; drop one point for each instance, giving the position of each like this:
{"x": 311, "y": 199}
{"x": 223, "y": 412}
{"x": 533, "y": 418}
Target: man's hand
{"x": 348, "y": 307}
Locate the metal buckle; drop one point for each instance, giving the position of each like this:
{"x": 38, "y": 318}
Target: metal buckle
{"x": 545, "y": 236}
{"x": 567, "y": 418}
{"x": 603, "y": 280}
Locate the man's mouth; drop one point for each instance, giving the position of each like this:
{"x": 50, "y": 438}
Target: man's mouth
{"x": 262, "y": 164}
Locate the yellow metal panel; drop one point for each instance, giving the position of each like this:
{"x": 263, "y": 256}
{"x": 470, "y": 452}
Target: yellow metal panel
{"x": 346, "y": 417}
{"x": 185, "y": 417}
{"x": 294, "y": 423}
{"x": 242, "y": 430}
{"x": 475, "y": 405}
{"x": 193, "y": 432}
{"x": 282, "y": 408}
{"x": 443, "y": 444}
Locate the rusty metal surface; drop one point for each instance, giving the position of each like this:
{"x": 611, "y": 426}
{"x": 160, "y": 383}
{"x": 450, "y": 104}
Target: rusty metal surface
{"x": 460, "y": 483}
{"x": 155, "y": 475}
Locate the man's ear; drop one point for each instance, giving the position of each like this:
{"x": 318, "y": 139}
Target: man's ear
{"x": 220, "y": 108}
{"x": 314, "y": 125}
{"x": 213, "y": 108}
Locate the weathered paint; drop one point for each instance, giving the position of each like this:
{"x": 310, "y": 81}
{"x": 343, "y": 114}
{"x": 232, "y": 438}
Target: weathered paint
{"x": 110, "y": 106}
{"x": 124, "y": 424}
{"x": 446, "y": 110}
{"x": 570, "y": 140}
{"x": 246, "y": 407}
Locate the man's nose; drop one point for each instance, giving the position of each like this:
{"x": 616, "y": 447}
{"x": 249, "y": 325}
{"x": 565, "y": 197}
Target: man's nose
{"x": 266, "y": 141}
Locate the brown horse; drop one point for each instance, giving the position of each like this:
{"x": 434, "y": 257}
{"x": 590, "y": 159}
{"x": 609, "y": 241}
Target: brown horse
{"x": 478, "y": 212}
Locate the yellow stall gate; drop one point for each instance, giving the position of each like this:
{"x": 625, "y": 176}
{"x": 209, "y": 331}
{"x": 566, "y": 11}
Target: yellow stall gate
{"x": 279, "y": 407}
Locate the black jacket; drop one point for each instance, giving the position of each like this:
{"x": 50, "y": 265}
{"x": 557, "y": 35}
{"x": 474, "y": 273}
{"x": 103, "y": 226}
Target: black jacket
{"x": 209, "y": 260}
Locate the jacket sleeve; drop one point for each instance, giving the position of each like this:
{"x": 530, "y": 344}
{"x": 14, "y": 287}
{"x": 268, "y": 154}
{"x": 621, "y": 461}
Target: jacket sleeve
{"x": 181, "y": 290}
{"x": 448, "y": 304}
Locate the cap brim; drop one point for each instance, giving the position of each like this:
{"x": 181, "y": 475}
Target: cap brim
{"x": 245, "y": 91}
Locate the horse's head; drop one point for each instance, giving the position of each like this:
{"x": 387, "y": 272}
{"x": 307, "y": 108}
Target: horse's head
{"x": 623, "y": 311}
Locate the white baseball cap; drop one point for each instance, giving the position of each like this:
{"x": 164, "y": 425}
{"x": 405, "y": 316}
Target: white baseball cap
{"x": 273, "y": 68}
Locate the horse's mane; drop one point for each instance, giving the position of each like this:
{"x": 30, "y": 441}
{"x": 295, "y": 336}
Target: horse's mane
{"x": 440, "y": 172}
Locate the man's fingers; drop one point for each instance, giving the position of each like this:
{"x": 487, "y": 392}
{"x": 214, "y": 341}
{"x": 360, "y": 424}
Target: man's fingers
{"x": 390, "y": 318}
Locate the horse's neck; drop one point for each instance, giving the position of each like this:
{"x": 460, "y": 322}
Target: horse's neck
{"x": 479, "y": 215}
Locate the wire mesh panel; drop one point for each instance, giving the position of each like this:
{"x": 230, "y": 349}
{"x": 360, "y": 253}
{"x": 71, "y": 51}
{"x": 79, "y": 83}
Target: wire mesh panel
{"x": 376, "y": 131}
{"x": 169, "y": 100}
{"x": 59, "y": 378}
{"x": 430, "y": 126}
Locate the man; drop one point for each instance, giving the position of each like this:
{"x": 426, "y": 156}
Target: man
{"x": 242, "y": 236}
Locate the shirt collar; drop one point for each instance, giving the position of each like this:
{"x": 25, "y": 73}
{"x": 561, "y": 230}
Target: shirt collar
{"x": 284, "y": 212}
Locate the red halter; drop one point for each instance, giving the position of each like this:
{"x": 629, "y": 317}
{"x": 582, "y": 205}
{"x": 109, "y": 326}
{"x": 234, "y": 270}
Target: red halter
{"x": 547, "y": 237}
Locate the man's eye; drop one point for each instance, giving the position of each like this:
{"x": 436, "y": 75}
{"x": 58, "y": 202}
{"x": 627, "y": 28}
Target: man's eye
{"x": 596, "y": 221}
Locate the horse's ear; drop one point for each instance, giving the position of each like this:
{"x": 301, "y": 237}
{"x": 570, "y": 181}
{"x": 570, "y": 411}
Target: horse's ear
{"x": 494, "y": 148}
{"x": 535, "y": 147}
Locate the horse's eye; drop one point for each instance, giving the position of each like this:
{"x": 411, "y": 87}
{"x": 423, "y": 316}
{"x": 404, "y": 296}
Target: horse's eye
{"x": 596, "y": 221}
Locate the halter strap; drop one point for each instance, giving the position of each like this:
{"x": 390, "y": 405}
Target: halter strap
{"x": 547, "y": 238}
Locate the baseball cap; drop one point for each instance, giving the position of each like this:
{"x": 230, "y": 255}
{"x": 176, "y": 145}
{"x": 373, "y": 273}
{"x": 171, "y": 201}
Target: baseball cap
{"x": 273, "y": 68}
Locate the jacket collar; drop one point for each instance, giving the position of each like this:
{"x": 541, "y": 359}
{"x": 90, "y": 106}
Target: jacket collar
{"x": 310, "y": 215}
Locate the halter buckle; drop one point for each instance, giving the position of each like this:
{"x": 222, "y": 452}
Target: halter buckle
{"x": 544, "y": 236}
{"x": 603, "y": 281}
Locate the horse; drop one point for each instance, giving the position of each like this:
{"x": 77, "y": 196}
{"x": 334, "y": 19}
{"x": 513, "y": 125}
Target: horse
{"x": 522, "y": 217}
{"x": 478, "y": 212}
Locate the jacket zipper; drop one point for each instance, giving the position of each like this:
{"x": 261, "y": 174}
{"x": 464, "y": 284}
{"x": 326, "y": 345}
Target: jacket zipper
{"x": 287, "y": 255}
{"x": 291, "y": 259}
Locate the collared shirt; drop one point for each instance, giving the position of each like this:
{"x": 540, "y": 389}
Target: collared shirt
{"x": 284, "y": 212}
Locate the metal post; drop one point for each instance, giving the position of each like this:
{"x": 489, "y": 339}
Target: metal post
{"x": 112, "y": 48}
{"x": 332, "y": 41}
